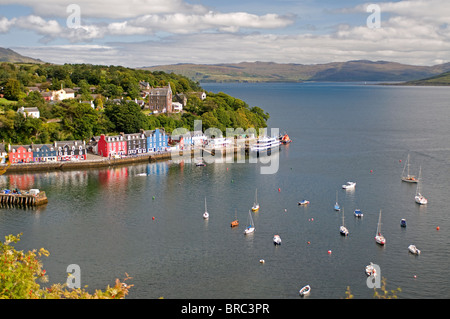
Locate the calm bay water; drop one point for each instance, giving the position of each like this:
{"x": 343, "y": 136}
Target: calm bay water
{"x": 102, "y": 219}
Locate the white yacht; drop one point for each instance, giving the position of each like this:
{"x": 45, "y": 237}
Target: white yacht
{"x": 265, "y": 143}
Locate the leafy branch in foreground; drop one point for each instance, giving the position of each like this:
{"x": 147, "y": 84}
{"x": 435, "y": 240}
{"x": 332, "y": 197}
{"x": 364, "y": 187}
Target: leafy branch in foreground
{"x": 20, "y": 272}
{"x": 383, "y": 294}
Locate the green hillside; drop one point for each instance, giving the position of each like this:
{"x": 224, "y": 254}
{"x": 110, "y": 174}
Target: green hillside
{"x": 8, "y": 55}
{"x": 441, "y": 79}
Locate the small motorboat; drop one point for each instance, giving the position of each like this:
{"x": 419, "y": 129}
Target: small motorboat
{"x": 343, "y": 230}
{"x": 413, "y": 249}
{"x": 277, "y": 240}
{"x": 370, "y": 270}
{"x": 403, "y": 223}
{"x": 349, "y": 185}
{"x": 285, "y": 139}
{"x": 234, "y": 223}
{"x": 358, "y": 213}
{"x": 305, "y": 291}
{"x": 303, "y": 202}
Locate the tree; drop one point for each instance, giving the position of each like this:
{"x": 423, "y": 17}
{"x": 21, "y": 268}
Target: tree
{"x": 127, "y": 117}
{"x": 12, "y": 90}
{"x": 20, "y": 272}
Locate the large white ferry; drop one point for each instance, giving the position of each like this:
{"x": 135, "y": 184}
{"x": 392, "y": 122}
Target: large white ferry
{"x": 265, "y": 143}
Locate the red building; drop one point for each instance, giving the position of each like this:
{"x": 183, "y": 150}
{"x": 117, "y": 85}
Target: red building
{"x": 20, "y": 154}
{"x": 109, "y": 146}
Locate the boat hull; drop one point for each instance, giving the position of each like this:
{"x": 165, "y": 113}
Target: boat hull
{"x": 380, "y": 240}
{"x": 304, "y": 291}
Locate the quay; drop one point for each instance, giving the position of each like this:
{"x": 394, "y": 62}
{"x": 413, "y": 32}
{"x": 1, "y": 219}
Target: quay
{"x": 33, "y": 197}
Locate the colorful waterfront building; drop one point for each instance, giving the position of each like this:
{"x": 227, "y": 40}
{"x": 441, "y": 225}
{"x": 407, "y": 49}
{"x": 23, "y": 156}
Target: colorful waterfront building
{"x": 20, "y": 154}
{"x": 44, "y": 152}
{"x": 70, "y": 150}
{"x": 136, "y": 143}
{"x": 157, "y": 140}
{"x": 111, "y": 146}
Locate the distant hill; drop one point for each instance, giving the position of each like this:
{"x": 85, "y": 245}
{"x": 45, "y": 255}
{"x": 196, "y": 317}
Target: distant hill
{"x": 440, "y": 79}
{"x": 8, "y": 55}
{"x": 360, "y": 70}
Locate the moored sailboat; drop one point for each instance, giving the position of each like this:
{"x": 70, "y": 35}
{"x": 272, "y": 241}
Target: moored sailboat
{"x": 419, "y": 198}
{"x": 255, "y": 206}
{"x": 205, "y": 214}
{"x": 336, "y": 206}
{"x": 343, "y": 230}
{"x": 408, "y": 177}
{"x": 379, "y": 238}
{"x": 251, "y": 227}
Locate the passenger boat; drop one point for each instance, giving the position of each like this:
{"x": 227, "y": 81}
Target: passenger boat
{"x": 403, "y": 222}
{"x": 414, "y": 250}
{"x": 305, "y": 291}
{"x": 419, "y": 198}
{"x": 264, "y": 144}
{"x": 358, "y": 213}
{"x": 277, "y": 239}
{"x": 379, "y": 238}
{"x": 408, "y": 178}
{"x": 349, "y": 185}
{"x": 303, "y": 202}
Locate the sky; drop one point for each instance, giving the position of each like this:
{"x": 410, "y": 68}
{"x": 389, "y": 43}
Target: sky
{"x": 137, "y": 33}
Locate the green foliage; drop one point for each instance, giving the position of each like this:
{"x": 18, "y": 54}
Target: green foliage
{"x": 382, "y": 293}
{"x": 21, "y": 272}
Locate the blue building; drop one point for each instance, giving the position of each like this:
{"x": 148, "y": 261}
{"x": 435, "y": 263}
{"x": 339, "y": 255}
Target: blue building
{"x": 157, "y": 140}
{"x": 44, "y": 152}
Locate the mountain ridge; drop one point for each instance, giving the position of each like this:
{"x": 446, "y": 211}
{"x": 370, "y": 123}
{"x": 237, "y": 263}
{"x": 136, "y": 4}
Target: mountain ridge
{"x": 354, "y": 70}
{"x": 8, "y": 55}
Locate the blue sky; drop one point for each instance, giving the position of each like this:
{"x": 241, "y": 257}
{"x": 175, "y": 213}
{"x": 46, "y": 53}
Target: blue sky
{"x": 154, "y": 32}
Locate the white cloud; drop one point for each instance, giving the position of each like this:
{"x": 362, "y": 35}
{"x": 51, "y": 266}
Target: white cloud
{"x": 112, "y": 9}
{"x": 214, "y": 37}
{"x": 5, "y": 24}
{"x": 41, "y": 26}
{"x": 188, "y": 23}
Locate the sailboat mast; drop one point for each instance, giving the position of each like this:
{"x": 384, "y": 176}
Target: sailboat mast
{"x": 379, "y": 224}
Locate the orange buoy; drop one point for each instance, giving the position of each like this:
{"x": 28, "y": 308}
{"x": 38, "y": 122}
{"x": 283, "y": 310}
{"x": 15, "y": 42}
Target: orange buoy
{"x": 437, "y": 228}
{"x": 279, "y": 189}
{"x": 308, "y": 242}
{"x": 153, "y": 217}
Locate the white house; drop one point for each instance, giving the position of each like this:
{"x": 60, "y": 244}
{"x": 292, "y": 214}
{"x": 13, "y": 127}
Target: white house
{"x": 177, "y": 107}
{"x": 29, "y": 112}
